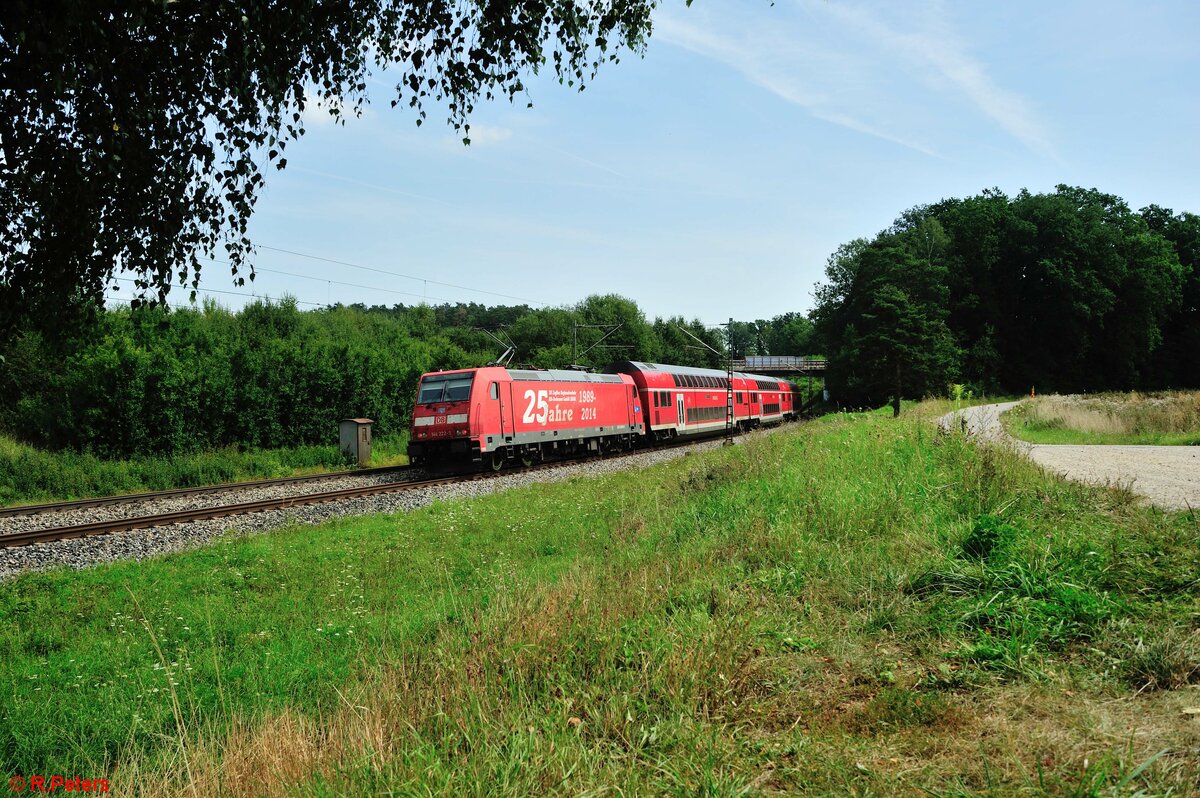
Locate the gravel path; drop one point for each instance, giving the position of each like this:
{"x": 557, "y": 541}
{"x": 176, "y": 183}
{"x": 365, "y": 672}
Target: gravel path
{"x": 138, "y": 544}
{"x": 1169, "y": 476}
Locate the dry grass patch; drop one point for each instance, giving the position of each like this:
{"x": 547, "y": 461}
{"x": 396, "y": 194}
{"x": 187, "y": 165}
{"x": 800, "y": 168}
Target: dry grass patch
{"x": 1171, "y": 417}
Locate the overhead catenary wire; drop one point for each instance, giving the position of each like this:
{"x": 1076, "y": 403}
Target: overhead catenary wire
{"x": 351, "y": 285}
{"x": 397, "y": 274}
{"x": 230, "y": 293}
{"x": 424, "y": 297}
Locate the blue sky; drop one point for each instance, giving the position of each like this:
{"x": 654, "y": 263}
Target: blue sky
{"x": 714, "y": 177}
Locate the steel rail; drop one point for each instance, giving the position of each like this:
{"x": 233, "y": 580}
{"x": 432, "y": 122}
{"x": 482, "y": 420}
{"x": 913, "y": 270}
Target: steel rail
{"x": 224, "y": 487}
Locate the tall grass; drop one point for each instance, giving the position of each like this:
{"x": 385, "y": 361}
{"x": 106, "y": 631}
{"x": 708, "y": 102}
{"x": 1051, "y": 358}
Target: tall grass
{"x": 859, "y": 606}
{"x": 1167, "y": 418}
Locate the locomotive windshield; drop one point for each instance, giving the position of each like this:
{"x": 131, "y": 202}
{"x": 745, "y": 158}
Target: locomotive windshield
{"x": 445, "y": 388}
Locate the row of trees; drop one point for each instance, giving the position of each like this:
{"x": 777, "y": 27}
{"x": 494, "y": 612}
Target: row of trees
{"x": 163, "y": 381}
{"x": 1066, "y": 291}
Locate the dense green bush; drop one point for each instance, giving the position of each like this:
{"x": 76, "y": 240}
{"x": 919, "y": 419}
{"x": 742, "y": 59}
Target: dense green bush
{"x": 268, "y": 376}
{"x": 155, "y": 382}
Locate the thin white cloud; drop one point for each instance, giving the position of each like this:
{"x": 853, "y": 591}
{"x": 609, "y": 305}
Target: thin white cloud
{"x": 590, "y": 163}
{"x": 770, "y": 62}
{"x": 941, "y": 49}
{"x": 846, "y": 65}
{"x": 485, "y": 135}
{"x": 374, "y": 186}
{"x": 317, "y": 112}
{"x": 481, "y": 136}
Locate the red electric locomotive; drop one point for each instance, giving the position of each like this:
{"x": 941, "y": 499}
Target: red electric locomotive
{"x": 494, "y": 415}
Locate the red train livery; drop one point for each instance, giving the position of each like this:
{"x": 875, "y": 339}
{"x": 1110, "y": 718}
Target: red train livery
{"x": 684, "y": 401}
{"x": 496, "y": 415}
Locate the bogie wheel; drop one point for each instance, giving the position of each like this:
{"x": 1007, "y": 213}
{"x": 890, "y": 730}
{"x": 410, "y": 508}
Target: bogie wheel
{"x": 497, "y": 461}
{"x": 527, "y": 458}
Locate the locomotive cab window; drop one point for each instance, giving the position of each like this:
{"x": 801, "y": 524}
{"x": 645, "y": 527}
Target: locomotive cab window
{"x": 494, "y": 390}
{"x": 445, "y": 388}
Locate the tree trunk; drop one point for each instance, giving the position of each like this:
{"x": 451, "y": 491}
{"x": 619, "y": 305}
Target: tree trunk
{"x": 896, "y": 398}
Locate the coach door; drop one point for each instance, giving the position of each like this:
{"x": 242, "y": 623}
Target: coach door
{"x": 679, "y": 406}
{"x": 496, "y": 393}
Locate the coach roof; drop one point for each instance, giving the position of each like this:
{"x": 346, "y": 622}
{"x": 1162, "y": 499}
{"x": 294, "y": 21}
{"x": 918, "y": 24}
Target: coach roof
{"x": 663, "y": 368}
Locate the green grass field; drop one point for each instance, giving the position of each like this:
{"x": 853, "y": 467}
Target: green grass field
{"x": 29, "y": 475}
{"x": 855, "y": 606}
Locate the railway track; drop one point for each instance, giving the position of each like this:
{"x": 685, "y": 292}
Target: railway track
{"x": 203, "y": 490}
{"x": 106, "y": 527}
{"x": 131, "y": 523}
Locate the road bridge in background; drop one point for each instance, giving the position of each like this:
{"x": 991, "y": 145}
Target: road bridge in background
{"x": 781, "y": 365}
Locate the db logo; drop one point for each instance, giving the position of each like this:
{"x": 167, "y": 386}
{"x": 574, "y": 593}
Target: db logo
{"x": 439, "y": 419}
{"x": 17, "y": 784}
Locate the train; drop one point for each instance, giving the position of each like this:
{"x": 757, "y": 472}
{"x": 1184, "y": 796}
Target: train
{"x": 496, "y": 416}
